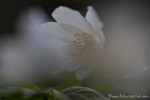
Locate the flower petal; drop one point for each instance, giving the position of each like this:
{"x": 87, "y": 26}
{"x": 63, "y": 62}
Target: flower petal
{"x": 74, "y": 63}
{"x": 87, "y": 68}
{"x": 56, "y": 34}
{"x": 93, "y": 18}
{"x": 70, "y": 28}
{"x": 84, "y": 71}
{"x": 99, "y": 36}
{"x": 67, "y": 55}
{"x": 64, "y": 15}
{"x": 68, "y": 50}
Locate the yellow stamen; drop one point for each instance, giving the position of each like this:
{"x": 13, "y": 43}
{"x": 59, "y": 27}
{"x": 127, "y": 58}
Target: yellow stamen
{"x": 83, "y": 42}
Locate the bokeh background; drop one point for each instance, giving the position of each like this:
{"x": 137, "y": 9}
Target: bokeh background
{"x": 126, "y": 23}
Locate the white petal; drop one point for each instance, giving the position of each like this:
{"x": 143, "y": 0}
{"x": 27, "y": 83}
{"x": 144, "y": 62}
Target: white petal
{"x": 65, "y": 54}
{"x": 99, "y": 36}
{"x": 56, "y": 44}
{"x": 93, "y": 61}
{"x": 87, "y": 69}
{"x": 84, "y": 71}
{"x": 75, "y": 63}
{"x": 53, "y": 32}
{"x": 64, "y": 15}
{"x": 69, "y": 50}
{"x": 102, "y": 37}
{"x": 70, "y": 28}
{"x": 93, "y": 18}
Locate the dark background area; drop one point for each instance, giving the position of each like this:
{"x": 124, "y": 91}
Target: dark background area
{"x": 10, "y": 9}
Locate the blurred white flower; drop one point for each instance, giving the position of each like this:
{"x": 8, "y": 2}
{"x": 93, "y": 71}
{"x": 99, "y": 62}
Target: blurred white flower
{"x": 78, "y": 39}
{"x": 27, "y": 55}
{"x": 79, "y": 43}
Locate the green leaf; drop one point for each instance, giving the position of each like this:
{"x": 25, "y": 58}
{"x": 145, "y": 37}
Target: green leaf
{"x": 55, "y": 95}
{"x": 83, "y": 93}
{"x": 21, "y": 84}
{"x": 17, "y": 93}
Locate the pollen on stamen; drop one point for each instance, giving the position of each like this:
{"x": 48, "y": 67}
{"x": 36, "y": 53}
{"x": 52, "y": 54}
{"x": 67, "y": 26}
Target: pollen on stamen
{"x": 83, "y": 42}
{"x": 78, "y": 38}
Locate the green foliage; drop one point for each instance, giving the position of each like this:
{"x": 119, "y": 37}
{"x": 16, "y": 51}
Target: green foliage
{"x": 22, "y": 84}
{"x": 60, "y": 81}
{"x": 83, "y": 93}
{"x": 55, "y": 95}
{"x": 14, "y": 93}
{"x": 21, "y": 90}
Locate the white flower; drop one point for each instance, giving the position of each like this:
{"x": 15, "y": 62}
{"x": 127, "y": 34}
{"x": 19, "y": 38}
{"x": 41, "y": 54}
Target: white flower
{"x": 79, "y": 40}
{"x": 79, "y": 43}
{"x": 26, "y": 56}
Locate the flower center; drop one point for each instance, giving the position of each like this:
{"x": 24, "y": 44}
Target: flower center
{"x": 83, "y": 43}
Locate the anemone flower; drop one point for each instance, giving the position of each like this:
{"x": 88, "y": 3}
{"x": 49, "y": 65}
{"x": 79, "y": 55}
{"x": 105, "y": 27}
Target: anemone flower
{"x": 79, "y": 43}
{"x": 78, "y": 39}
